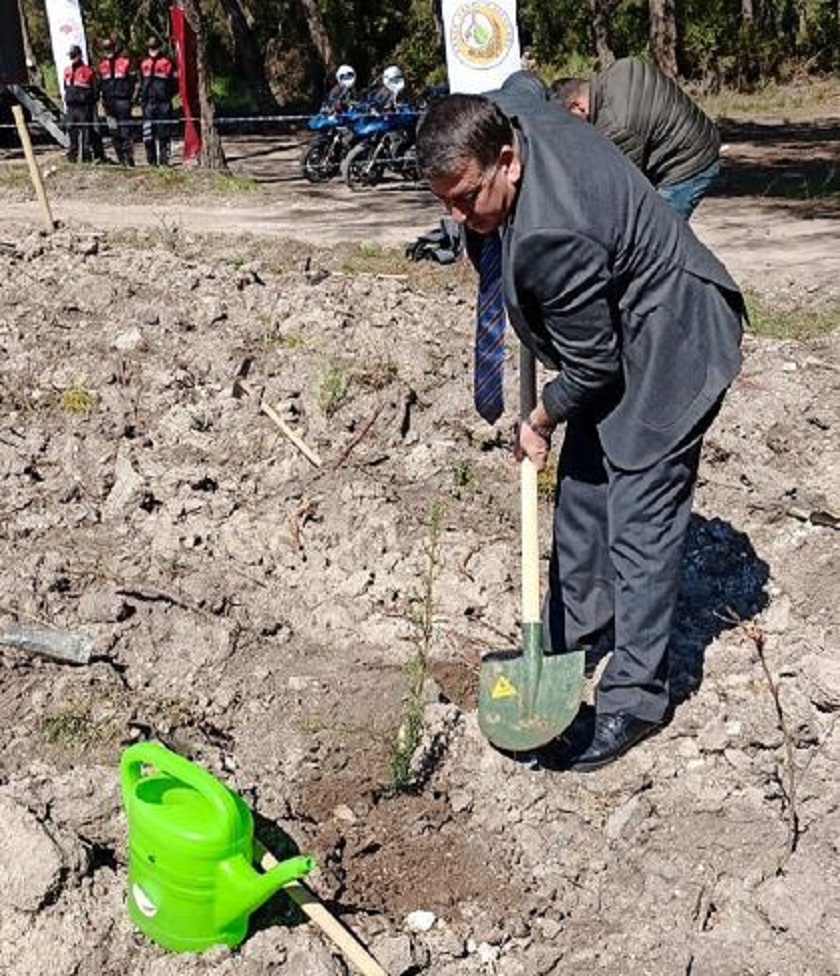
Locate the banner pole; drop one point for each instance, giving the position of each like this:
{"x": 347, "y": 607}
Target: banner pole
{"x": 34, "y": 172}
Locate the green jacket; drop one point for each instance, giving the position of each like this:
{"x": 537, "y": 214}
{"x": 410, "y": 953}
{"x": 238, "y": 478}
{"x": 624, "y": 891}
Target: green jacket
{"x": 652, "y": 121}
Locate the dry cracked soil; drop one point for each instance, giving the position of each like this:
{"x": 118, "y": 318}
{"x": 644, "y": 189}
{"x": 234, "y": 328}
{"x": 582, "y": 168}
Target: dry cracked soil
{"x": 280, "y": 622}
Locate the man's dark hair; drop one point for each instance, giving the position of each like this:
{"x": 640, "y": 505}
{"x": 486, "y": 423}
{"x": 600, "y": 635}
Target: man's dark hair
{"x": 459, "y": 128}
{"x": 74, "y": 52}
{"x": 562, "y": 89}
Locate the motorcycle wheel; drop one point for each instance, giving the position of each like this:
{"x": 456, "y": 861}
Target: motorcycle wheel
{"x": 359, "y": 167}
{"x": 408, "y": 166}
{"x": 317, "y": 163}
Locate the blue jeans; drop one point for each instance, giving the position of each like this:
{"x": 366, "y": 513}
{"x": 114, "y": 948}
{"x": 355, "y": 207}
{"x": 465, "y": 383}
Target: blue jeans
{"x": 685, "y": 196}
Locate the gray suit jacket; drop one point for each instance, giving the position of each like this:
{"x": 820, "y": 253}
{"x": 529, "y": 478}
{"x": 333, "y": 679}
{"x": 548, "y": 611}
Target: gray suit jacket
{"x": 610, "y": 287}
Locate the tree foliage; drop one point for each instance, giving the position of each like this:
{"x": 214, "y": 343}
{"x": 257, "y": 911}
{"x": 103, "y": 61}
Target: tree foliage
{"x": 287, "y": 50}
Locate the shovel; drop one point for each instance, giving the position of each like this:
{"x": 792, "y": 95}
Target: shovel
{"x": 526, "y": 698}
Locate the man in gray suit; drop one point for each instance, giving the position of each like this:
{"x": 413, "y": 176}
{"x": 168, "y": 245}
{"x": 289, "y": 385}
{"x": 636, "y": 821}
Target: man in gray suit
{"x": 611, "y": 289}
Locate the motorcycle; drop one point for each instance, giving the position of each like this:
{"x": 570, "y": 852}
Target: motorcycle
{"x": 322, "y": 156}
{"x": 384, "y": 142}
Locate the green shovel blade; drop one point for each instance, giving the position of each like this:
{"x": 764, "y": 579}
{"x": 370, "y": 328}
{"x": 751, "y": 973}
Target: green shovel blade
{"x": 526, "y": 699}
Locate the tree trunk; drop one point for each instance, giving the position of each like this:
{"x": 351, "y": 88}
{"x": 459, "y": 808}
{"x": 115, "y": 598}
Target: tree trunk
{"x": 32, "y": 69}
{"x": 747, "y": 13}
{"x": 601, "y": 11}
{"x": 248, "y": 55}
{"x": 211, "y": 155}
{"x": 437, "y": 17}
{"x": 318, "y": 32}
{"x": 663, "y": 36}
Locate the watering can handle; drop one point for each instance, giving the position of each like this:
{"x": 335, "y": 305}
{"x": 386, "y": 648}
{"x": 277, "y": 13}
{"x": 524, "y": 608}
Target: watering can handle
{"x": 154, "y": 754}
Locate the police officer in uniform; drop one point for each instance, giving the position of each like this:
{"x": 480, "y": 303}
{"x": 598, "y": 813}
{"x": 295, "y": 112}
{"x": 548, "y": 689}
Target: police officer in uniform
{"x": 157, "y": 87}
{"x": 117, "y": 83}
{"x": 80, "y": 96}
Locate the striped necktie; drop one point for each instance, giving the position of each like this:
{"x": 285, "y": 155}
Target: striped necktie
{"x": 490, "y": 331}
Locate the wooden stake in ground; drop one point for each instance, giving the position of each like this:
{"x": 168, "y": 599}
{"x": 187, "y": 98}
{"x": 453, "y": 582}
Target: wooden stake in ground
{"x": 34, "y": 172}
{"x": 317, "y": 912}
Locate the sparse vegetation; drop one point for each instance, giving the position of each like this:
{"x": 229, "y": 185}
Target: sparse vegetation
{"x": 233, "y": 183}
{"x": 797, "y": 323}
{"x": 463, "y": 478}
{"x": 78, "y": 399}
{"x": 75, "y": 728}
{"x": 168, "y": 233}
{"x": 274, "y": 338}
{"x": 14, "y": 177}
{"x": 421, "y": 612}
{"x": 807, "y": 100}
{"x": 333, "y": 388}
{"x": 374, "y": 259}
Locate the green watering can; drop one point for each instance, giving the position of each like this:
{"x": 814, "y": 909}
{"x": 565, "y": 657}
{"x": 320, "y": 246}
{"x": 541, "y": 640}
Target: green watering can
{"x": 191, "y": 878}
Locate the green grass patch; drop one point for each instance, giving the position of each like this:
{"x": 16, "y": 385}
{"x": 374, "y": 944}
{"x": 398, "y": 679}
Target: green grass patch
{"x": 375, "y": 259}
{"x": 222, "y": 182}
{"x": 74, "y": 728}
{"x": 275, "y": 338}
{"x": 773, "y": 322}
{"x": 78, "y": 399}
{"x": 14, "y": 177}
{"x": 333, "y": 389}
{"x": 182, "y": 179}
{"x": 803, "y": 100}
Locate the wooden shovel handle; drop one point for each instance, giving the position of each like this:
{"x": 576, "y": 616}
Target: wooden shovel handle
{"x": 530, "y": 544}
{"x": 317, "y": 912}
{"x": 528, "y": 491}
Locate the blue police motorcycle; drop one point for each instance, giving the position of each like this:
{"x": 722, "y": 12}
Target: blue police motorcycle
{"x": 384, "y": 137}
{"x": 333, "y": 128}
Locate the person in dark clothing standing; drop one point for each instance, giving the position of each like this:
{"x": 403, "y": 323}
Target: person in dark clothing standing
{"x": 654, "y": 123}
{"x": 157, "y": 88}
{"x": 80, "y": 96}
{"x": 117, "y": 83}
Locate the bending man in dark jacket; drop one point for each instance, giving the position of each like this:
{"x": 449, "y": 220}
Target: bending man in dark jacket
{"x": 654, "y": 123}
{"x": 641, "y": 324}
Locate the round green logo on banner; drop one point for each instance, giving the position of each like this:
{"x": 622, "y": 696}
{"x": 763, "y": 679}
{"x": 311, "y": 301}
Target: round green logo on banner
{"x": 481, "y": 34}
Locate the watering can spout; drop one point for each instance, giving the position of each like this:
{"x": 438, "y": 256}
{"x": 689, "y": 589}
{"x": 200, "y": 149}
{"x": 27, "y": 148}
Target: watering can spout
{"x": 242, "y": 889}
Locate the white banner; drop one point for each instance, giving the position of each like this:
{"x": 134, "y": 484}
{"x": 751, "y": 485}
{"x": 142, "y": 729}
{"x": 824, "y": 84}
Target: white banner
{"x": 66, "y": 29}
{"x": 482, "y": 43}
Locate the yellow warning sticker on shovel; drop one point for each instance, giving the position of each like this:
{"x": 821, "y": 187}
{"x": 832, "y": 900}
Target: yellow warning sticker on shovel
{"x": 503, "y": 688}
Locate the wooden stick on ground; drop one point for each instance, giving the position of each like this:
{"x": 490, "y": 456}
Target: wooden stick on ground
{"x": 298, "y": 441}
{"x": 286, "y": 430}
{"x": 317, "y": 912}
{"x": 34, "y": 172}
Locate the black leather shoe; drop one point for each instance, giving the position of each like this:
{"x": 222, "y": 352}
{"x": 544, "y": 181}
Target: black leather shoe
{"x": 613, "y": 736}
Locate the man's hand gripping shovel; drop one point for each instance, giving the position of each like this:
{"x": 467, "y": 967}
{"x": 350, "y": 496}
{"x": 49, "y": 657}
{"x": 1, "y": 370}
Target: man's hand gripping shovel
{"x": 527, "y": 698}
